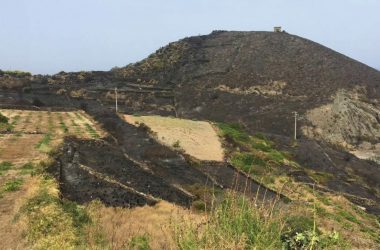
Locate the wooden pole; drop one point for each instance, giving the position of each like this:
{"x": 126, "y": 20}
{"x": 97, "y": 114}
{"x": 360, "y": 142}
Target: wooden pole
{"x": 116, "y": 99}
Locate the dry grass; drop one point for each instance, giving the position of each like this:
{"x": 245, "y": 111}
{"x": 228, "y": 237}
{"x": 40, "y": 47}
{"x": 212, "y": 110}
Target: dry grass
{"x": 28, "y": 143}
{"x": 119, "y": 226}
{"x": 44, "y": 121}
{"x": 196, "y": 138}
{"x": 11, "y": 232}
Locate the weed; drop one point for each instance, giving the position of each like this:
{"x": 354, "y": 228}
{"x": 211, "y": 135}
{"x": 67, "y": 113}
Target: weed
{"x": 5, "y": 166}
{"x": 13, "y": 185}
{"x": 176, "y": 144}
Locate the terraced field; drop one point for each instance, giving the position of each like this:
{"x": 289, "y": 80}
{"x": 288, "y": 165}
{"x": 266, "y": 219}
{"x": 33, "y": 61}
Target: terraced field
{"x": 30, "y": 134}
{"x": 197, "y": 138}
{"x": 24, "y": 142}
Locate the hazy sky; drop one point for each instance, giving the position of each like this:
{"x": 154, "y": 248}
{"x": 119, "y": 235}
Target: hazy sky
{"x": 47, "y": 36}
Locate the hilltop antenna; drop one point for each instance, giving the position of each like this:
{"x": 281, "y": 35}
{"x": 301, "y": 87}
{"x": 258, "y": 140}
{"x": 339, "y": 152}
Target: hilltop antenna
{"x": 116, "y": 99}
{"x": 295, "y": 124}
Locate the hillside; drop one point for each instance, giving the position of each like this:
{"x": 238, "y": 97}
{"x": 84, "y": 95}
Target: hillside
{"x": 235, "y": 90}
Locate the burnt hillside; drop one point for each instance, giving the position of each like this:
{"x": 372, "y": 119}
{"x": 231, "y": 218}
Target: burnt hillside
{"x": 254, "y": 78}
{"x": 257, "y": 78}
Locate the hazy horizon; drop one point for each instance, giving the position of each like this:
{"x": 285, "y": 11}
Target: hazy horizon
{"x": 45, "y": 37}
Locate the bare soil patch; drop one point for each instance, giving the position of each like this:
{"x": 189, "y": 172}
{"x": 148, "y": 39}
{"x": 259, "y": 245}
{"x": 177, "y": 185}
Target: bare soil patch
{"x": 196, "y": 138}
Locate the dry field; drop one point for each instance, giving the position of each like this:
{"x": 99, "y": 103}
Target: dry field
{"x": 33, "y": 133}
{"x": 196, "y": 138}
{"x": 27, "y": 139}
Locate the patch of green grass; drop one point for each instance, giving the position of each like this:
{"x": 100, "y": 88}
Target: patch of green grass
{"x": 27, "y": 168}
{"x": 276, "y": 156}
{"x": 261, "y": 145}
{"x": 234, "y": 131}
{"x": 321, "y": 177}
{"x": 62, "y": 123}
{"x": 10, "y": 126}
{"x": 43, "y": 145}
{"x": 91, "y": 131}
{"x": 245, "y": 161}
{"x": 76, "y": 126}
{"x": 54, "y": 223}
{"x": 140, "y": 242}
{"x": 321, "y": 211}
{"x": 348, "y": 216}
{"x": 324, "y": 199}
{"x": 13, "y": 185}
{"x": 5, "y": 166}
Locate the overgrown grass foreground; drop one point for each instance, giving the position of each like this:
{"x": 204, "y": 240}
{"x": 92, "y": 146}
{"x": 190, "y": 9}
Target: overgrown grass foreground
{"x": 240, "y": 223}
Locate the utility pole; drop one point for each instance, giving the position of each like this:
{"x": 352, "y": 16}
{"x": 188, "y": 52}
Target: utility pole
{"x": 295, "y": 124}
{"x": 116, "y": 99}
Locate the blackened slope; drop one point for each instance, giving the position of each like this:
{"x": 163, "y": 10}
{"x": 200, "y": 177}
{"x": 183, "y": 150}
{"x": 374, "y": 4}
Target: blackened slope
{"x": 258, "y": 78}
{"x": 219, "y": 88}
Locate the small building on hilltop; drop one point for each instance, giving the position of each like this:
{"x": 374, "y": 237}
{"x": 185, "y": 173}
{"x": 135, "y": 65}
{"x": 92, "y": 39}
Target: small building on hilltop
{"x": 277, "y": 29}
